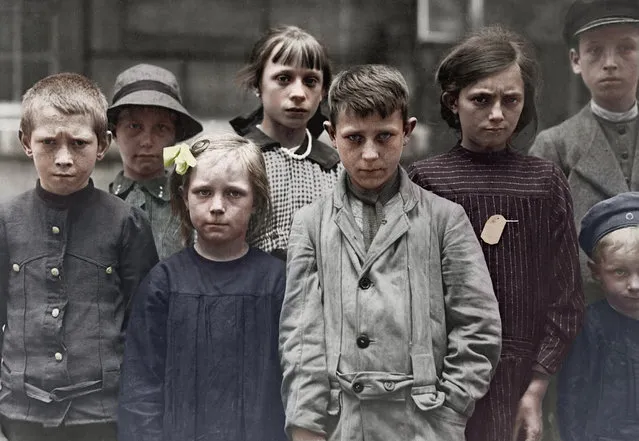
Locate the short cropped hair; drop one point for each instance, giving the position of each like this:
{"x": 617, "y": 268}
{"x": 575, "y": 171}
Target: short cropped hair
{"x": 295, "y": 47}
{"x": 489, "y": 51}
{"x": 70, "y": 94}
{"x": 246, "y": 153}
{"x": 624, "y": 240}
{"x": 368, "y": 89}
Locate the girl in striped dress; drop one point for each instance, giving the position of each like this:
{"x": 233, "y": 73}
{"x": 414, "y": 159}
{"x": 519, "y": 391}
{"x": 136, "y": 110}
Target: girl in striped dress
{"x": 289, "y": 72}
{"x": 521, "y": 209}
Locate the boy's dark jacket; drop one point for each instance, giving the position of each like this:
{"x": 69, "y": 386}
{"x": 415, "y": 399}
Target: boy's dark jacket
{"x": 70, "y": 265}
{"x": 598, "y": 384}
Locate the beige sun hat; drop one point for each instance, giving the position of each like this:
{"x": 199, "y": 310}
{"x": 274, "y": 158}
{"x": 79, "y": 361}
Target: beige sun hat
{"x": 149, "y": 85}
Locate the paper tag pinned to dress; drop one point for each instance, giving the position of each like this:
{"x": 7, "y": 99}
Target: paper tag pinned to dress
{"x": 494, "y": 228}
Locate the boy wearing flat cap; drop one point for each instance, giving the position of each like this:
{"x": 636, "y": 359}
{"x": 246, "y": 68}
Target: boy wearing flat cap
{"x": 598, "y": 148}
{"x": 145, "y": 116}
{"x": 598, "y": 391}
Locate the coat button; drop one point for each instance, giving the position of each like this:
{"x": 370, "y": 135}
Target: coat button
{"x": 16, "y": 268}
{"x": 55, "y": 230}
{"x": 389, "y": 385}
{"x": 624, "y": 155}
{"x": 358, "y": 387}
{"x": 58, "y": 356}
{"x": 621, "y": 130}
{"x": 55, "y": 272}
{"x": 109, "y": 270}
{"x": 363, "y": 341}
{"x": 55, "y": 312}
{"x": 365, "y": 283}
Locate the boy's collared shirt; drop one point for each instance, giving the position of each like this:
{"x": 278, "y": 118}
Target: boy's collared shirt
{"x": 71, "y": 266}
{"x": 154, "y": 198}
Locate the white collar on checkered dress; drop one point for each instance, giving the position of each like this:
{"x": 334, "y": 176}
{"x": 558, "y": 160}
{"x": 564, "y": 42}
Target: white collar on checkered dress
{"x": 614, "y": 117}
{"x": 291, "y": 150}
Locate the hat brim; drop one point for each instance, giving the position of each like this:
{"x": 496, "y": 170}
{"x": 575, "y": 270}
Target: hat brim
{"x": 605, "y": 22}
{"x": 190, "y": 126}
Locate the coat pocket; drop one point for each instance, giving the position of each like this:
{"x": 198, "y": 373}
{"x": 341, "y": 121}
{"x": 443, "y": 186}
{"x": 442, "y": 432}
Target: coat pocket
{"x": 427, "y": 397}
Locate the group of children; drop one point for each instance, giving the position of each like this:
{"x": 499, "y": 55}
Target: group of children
{"x": 433, "y": 303}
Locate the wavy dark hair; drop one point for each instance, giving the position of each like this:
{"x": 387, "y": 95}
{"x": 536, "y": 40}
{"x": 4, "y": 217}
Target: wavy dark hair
{"x": 489, "y": 51}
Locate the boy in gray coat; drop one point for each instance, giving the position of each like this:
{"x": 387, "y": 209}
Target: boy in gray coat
{"x": 390, "y": 328}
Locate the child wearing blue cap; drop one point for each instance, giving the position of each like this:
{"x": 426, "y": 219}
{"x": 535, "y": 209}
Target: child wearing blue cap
{"x": 597, "y": 384}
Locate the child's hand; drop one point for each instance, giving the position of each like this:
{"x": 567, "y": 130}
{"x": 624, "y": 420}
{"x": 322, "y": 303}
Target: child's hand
{"x": 529, "y": 414}
{"x": 299, "y": 434}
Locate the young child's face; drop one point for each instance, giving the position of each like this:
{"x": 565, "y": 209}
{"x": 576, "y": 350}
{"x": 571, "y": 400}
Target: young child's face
{"x": 370, "y": 147}
{"x": 489, "y": 110}
{"x": 608, "y": 61}
{"x": 220, "y": 200}
{"x": 290, "y": 94}
{"x": 618, "y": 272}
{"x": 64, "y": 149}
{"x": 142, "y": 133}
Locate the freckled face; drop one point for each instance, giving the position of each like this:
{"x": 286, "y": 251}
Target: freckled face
{"x": 64, "y": 149}
{"x": 608, "y": 61}
{"x": 290, "y": 95}
{"x": 489, "y": 110}
{"x": 142, "y": 132}
{"x": 370, "y": 147}
{"x": 220, "y": 200}
{"x": 618, "y": 273}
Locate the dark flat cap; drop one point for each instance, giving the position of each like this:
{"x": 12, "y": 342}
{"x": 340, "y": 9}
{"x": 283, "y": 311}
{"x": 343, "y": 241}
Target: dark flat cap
{"x": 604, "y": 217}
{"x": 584, "y": 15}
{"x": 149, "y": 85}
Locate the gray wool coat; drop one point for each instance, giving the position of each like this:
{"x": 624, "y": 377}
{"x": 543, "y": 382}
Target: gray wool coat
{"x": 394, "y": 343}
{"x": 580, "y": 148}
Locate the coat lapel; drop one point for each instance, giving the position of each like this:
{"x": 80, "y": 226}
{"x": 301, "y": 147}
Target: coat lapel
{"x": 598, "y": 165}
{"x": 396, "y": 226}
{"x": 634, "y": 184}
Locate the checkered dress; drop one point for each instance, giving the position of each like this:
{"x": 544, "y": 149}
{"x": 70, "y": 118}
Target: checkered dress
{"x": 294, "y": 183}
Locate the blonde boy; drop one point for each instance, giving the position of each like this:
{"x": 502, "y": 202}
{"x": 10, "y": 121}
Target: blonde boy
{"x": 71, "y": 257}
{"x": 598, "y": 382}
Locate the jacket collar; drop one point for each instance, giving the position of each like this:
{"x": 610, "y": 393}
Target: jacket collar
{"x": 65, "y": 201}
{"x": 326, "y": 156}
{"x": 406, "y": 190}
{"x": 157, "y": 187}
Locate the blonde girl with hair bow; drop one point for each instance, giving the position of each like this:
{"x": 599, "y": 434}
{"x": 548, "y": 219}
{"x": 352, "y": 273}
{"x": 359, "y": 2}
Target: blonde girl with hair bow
{"x": 201, "y": 358}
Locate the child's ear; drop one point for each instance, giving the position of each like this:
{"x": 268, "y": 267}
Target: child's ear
{"x": 575, "y": 61}
{"x": 102, "y": 149}
{"x": 594, "y": 270}
{"x": 450, "y": 101}
{"x": 25, "y": 141}
{"x": 331, "y": 132}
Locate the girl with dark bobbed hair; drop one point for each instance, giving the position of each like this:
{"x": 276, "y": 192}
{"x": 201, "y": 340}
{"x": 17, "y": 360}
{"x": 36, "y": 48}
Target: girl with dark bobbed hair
{"x": 521, "y": 210}
{"x": 289, "y": 72}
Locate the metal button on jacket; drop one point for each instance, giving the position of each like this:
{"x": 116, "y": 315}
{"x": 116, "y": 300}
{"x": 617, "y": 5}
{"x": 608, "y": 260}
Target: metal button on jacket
{"x": 358, "y": 387}
{"x": 55, "y": 230}
{"x": 389, "y": 385}
{"x": 365, "y": 283}
{"x": 363, "y": 341}
{"x": 58, "y": 356}
{"x": 55, "y": 312}
{"x": 55, "y": 272}
{"x": 16, "y": 267}
{"x": 109, "y": 270}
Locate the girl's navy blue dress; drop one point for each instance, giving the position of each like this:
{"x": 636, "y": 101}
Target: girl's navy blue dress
{"x": 201, "y": 359}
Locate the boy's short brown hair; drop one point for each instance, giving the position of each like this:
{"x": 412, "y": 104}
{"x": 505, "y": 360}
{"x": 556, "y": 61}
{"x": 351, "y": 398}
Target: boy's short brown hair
{"x": 70, "y": 94}
{"x": 367, "y": 90}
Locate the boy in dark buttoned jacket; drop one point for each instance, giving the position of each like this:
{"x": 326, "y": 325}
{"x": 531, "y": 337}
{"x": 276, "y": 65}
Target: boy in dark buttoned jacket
{"x": 71, "y": 257}
{"x": 597, "y": 148}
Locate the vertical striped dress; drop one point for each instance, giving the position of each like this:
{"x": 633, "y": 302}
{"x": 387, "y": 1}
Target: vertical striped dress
{"x": 534, "y": 266}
